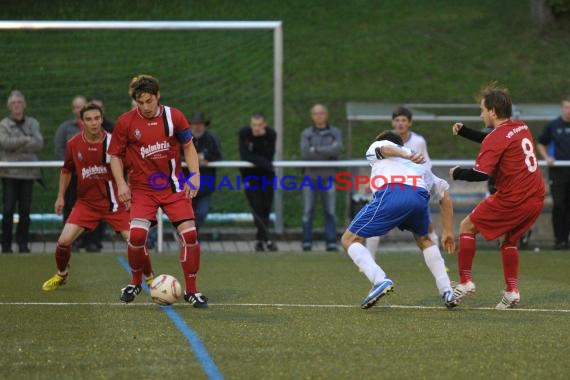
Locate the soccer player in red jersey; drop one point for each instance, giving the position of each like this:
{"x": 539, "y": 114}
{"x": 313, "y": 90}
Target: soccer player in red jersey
{"x": 507, "y": 153}
{"x": 86, "y": 155}
{"x": 146, "y": 142}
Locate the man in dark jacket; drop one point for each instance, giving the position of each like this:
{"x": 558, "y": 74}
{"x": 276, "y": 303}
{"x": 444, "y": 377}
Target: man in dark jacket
{"x": 208, "y": 148}
{"x": 257, "y": 145}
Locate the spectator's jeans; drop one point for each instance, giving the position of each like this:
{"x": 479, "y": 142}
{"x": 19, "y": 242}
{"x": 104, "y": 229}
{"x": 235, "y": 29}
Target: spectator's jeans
{"x": 329, "y": 202}
{"x": 16, "y": 191}
{"x": 560, "y": 191}
{"x": 201, "y": 206}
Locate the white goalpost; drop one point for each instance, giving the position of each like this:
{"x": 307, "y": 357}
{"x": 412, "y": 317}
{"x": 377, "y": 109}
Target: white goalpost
{"x": 158, "y": 26}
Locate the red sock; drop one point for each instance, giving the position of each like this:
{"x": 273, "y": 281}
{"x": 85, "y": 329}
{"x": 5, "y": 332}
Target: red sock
{"x": 510, "y": 256}
{"x": 465, "y": 256}
{"x": 147, "y": 266}
{"x": 189, "y": 258}
{"x": 62, "y": 256}
{"x": 136, "y": 262}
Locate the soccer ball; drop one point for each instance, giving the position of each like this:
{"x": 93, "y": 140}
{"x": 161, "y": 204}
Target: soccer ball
{"x": 165, "y": 289}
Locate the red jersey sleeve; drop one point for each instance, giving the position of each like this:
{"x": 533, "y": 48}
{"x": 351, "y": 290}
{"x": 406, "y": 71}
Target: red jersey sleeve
{"x": 118, "y": 145}
{"x": 181, "y": 127}
{"x": 489, "y": 154}
{"x": 68, "y": 164}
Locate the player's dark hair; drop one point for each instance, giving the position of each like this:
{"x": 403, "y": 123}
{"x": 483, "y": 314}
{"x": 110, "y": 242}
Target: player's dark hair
{"x": 90, "y": 107}
{"x": 402, "y": 111}
{"x": 497, "y": 99}
{"x": 390, "y": 136}
{"x": 258, "y": 115}
{"x": 566, "y": 98}
{"x": 143, "y": 84}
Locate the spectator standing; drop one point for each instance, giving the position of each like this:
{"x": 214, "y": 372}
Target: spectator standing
{"x": 20, "y": 140}
{"x": 320, "y": 142}
{"x": 208, "y": 148}
{"x": 554, "y": 144}
{"x": 257, "y": 145}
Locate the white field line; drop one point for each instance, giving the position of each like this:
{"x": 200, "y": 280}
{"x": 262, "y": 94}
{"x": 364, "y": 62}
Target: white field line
{"x": 277, "y": 305}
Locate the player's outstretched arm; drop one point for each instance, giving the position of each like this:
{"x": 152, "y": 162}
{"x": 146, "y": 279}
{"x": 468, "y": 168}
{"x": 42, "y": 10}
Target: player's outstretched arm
{"x": 447, "y": 236}
{"x": 123, "y": 191}
{"x": 191, "y": 158}
{"x": 395, "y": 151}
{"x": 459, "y": 129}
{"x": 64, "y": 180}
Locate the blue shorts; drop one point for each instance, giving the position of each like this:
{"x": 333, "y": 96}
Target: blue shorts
{"x": 405, "y": 208}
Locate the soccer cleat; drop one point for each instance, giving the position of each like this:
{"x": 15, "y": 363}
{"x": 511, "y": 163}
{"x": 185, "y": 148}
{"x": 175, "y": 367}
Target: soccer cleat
{"x": 509, "y": 300}
{"x": 271, "y": 246}
{"x": 465, "y": 289}
{"x": 149, "y": 280}
{"x": 378, "y": 291}
{"x": 259, "y": 246}
{"x": 54, "y": 282}
{"x": 450, "y": 300}
{"x": 129, "y": 293}
{"x": 197, "y": 300}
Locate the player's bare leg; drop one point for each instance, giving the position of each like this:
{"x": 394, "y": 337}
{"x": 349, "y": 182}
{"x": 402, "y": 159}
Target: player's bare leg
{"x": 62, "y": 255}
{"x": 381, "y": 285}
{"x": 136, "y": 256}
{"x": 190, "y": 263}
{"x": 465, "y": 256}
{"x": 436, "y": 265}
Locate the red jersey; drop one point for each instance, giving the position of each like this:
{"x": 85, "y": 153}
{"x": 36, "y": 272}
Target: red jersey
{"x": 90, "y": 162}
{"x": 507, "y": 153}
{"x": 150, "y": 148}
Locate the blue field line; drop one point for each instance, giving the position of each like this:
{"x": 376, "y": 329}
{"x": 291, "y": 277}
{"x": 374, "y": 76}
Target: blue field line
{"x": 196, "y": 344}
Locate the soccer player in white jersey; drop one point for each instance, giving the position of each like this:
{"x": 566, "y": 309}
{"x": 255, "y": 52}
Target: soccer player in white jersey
{"x": 401, "y": 124}
{"x": 401, "y": 185}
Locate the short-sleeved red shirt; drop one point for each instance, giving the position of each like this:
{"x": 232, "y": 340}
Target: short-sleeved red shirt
{"x": 508, "y": 154}
{"x": 90, "y": 161}
{"x": 151, "y": 146}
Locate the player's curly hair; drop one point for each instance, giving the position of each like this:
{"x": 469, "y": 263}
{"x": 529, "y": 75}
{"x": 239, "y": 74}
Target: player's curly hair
{"x": 143, "y": 84}
{"x": 496, "y": 98}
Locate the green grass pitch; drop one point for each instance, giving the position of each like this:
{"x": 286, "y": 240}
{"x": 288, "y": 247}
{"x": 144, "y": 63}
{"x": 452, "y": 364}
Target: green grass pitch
{"x": 285, "y": 315}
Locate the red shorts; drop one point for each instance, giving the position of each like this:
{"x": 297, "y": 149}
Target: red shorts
{"x": 88, "y": 217}
{"x": 494, "y": 218}
{"x": 176, "y": 206}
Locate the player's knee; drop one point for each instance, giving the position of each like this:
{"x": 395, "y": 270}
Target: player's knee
{"x": 467, "y": 226}
{"x": 137, "y": 236}
{"x": 349, "y": 238}
{"x": 64, "y": 241}
{"x": 189, "y": 236}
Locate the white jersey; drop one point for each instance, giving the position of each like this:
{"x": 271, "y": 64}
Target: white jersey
{"x": 440, "y": 186}
{"x": 396, "y": 169}
{"x": 418, "y": 144}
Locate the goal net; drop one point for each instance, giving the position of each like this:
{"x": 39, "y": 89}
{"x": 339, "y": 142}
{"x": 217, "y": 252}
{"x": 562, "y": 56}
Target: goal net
{"x": 225, "y": 70}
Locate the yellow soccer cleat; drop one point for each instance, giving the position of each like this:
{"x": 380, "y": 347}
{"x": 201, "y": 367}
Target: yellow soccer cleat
{"x": 54, "y": 282}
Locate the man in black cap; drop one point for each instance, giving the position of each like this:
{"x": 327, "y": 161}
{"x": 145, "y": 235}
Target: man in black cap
{"x": 208, "y": 148}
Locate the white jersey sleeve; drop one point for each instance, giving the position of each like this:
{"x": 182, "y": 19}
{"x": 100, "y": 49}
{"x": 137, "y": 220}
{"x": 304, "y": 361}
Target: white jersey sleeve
{"x": 440, "y": 186}
{"x": 371, "y": 152}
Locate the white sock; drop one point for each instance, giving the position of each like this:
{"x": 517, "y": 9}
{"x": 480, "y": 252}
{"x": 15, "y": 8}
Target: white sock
{"x": 436, "y": 265}
{"x": 364, "y": 261}
{"x": 433, "y": 237}
{"x": 372, "y": 245}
